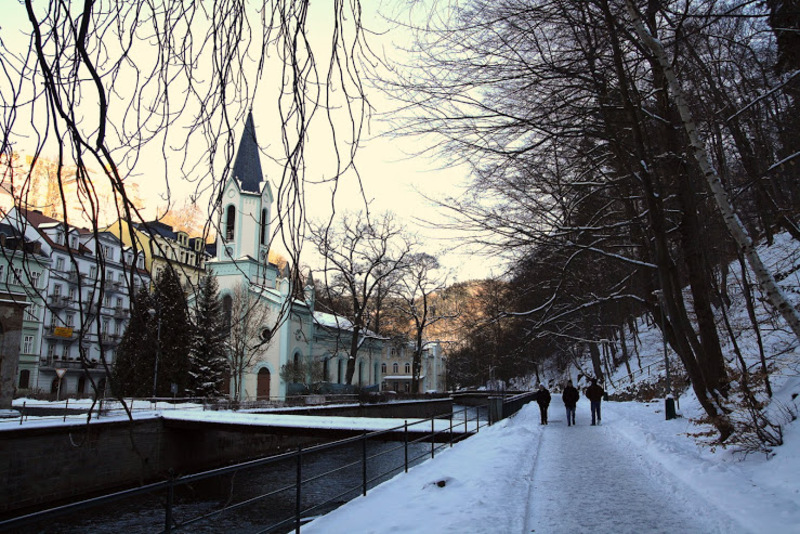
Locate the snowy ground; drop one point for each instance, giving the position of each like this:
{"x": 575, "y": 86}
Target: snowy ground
{"x": 634, "y": 473}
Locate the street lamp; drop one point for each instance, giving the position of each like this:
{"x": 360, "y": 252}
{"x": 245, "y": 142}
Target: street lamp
{"x": 153, "y": 313}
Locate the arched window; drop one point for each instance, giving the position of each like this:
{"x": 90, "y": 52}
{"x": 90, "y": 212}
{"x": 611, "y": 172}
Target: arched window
{"x": 54, "y": 385}
{"x": 340, "y": 378}
{"x": 395, "y": 368}
{"x": 383, "y": 368}
{"x": 227, "y": 310}
{"x": 230, "y": 223}
{"x": 24, "y": 379}
{"x": 325, "y": 370}
{"x": 263, "y": 240}
{"x": 360, "y": 373}
{"x": 81, "y": 385}
{"x": 408, "y": 368}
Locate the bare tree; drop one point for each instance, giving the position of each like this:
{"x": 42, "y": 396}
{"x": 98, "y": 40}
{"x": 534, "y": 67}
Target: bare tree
{"x": 110, "y": 91}
{"x": 360, "y": 256}
{"x": 250, "y": 328}
{"x": 418, "y": 287}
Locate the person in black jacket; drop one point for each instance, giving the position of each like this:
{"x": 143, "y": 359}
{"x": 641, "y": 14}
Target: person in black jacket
{"x": 570, "y": 397}
{"x": 543, "y": 399}
{"x": 595, "y": 394}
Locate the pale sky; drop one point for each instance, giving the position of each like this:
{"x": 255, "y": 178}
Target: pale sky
{"x": 389, "y": 170}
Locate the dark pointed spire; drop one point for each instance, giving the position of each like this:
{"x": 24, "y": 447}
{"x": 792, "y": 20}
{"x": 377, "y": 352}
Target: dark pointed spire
{"x": 247, "y": 166}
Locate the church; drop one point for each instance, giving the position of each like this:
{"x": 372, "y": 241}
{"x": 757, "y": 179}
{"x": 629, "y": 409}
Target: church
{"x": 272, "y": 328}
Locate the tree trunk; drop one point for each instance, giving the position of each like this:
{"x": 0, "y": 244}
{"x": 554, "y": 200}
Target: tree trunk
{"x": 766, "y": 281}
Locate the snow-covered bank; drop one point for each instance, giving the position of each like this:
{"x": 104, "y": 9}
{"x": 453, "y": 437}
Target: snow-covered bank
{"x": 487, "y": 484}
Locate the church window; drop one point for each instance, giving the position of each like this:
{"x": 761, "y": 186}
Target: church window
{"x": 230, "y": 223}
{"x": 263, "y": 227}
{"x": 227, "y": 309}
{"x": 395, "y": 368}
{"x": 266, "y": 334}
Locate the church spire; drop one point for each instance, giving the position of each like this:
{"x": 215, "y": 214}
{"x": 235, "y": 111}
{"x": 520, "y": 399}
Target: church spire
{"x": 247, "y": 166}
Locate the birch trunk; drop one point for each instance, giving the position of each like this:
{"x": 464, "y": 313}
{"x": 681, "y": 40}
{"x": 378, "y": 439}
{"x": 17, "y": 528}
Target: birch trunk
{"x": 766, "y": 281}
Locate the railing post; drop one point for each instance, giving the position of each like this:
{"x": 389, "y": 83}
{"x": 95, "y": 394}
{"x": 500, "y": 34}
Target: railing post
{"x": 433, "y": 438}
{"x": 170, "y": 497}
{"x": 451, "y": 428}
{"x": 298, "y": 489}
{"x": 66, "y": 408}
{"x": 405, "y": 444}
{"x": 22, "y": 413}
{"x": 466, "y": 419}
{"x": 364, "y": 462}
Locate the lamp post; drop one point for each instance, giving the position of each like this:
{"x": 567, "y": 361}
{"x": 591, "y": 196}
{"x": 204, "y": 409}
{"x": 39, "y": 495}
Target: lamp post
{"x": 669, "y": 401}
{"x": 156, "y": 313}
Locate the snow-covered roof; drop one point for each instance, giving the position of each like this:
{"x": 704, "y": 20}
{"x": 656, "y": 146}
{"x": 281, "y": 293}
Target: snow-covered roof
{"x": 329, "y": 320}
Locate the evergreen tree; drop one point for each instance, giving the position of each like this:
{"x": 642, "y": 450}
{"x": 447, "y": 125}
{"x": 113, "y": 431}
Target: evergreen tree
{"x": 173, "y": 334}
{"x": 208, "y": 356}
{"x": 132, "y": 373}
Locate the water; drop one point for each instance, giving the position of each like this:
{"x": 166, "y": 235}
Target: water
{"x": 254, "y": 498}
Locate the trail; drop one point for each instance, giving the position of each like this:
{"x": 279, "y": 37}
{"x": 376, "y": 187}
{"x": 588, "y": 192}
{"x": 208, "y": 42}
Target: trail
{"x": 592, "y": 479}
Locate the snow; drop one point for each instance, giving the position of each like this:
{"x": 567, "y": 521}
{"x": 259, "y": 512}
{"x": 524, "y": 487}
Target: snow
{"x": 636, "y": 472}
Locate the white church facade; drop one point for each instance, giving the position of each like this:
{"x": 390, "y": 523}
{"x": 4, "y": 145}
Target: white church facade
{"x": 241, "y": 264}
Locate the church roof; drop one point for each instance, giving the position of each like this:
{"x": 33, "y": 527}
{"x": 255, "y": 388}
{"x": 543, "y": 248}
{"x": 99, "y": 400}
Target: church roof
{"x": 247, "y": 166}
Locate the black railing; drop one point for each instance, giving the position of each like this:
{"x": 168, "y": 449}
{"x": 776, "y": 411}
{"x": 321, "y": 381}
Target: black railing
{"x": 176, "y": 518}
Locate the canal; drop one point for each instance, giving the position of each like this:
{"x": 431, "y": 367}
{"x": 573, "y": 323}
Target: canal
{"x": 252, "y": 499}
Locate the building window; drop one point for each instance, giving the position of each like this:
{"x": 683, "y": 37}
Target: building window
{"x": 59, "y": 264}
{"x": 92, "y": 272}
{"x": 35, "y": 278}
{"x": 70, "y": 319}
{"x": 383, "y": 368}
{"x": 24, "y": 379}
{"x": 73, "y": 242}
{"x": 72, "y": 292}
{"x": 51, "y": 350}
{"x": 230, "y": 223}
{"x": 27, "y": 345}
{"x": 140, "y": 262}
{"x": 104, "y": 329}
{"x": 32, "y": 312}
{"x": 57, "y": 290}
{"x": 2, "y": 271}
{"x": 395, "y": 368}
{"x": 408, "y": 368}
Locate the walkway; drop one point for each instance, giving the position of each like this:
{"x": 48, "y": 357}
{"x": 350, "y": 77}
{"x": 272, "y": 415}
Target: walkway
{"x": 588, "y": 479}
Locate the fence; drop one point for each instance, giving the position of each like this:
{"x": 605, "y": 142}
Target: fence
{"x": 306, "y": 479}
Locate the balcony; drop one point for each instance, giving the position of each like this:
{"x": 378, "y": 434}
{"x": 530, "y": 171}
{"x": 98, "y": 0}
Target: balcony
{"x": 66, "y": 333}
{"x": 63, "y": 362}
{"x": 73, "y": 277}
{"x": 112, "y": 287}
{"x": 58, "y": 302}
{"x": 109, "y": 340}
{"x": 121, "y": 313}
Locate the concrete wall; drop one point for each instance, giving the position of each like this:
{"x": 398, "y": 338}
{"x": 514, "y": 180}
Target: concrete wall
{"x": 400, "y": 410}
{"x": 40, "y": 467}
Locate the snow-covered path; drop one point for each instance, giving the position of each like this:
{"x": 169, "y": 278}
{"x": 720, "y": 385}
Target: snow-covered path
{"x": 590, "y": 479}
{"x": 635, "y": 473}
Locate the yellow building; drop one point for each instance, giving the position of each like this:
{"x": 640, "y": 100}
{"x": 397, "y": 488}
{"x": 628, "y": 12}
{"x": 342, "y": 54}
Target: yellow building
{"x": 162, "y": 246}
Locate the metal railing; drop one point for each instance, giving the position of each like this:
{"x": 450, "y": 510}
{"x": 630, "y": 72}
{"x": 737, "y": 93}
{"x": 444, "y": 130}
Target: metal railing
{"x": 175, "y": 518}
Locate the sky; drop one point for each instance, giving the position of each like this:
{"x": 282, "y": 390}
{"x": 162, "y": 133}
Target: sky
{"x": 391, "y": 169}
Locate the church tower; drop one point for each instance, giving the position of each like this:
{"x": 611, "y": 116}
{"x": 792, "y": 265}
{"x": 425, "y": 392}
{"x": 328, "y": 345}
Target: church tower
{"x": 245, "y": 204}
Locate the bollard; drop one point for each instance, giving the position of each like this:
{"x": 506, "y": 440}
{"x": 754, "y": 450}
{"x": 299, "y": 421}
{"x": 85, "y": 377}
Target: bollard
{"x": 669, "y": 407}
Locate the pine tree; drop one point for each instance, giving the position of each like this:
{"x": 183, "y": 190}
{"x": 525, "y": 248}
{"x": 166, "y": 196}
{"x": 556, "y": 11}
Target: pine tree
{"x": 173, "y": 335}
{"x": 132, "y": 373}
{"x": 209, "y": 341}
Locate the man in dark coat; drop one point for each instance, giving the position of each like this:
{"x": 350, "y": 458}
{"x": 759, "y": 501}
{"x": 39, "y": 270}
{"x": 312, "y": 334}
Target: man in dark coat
{"x": 570, "y": 397}
{"x": 543, "y": 399}
{"x": 595, "y": 394}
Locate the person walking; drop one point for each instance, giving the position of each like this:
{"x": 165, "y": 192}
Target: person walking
{"x": 595, "y": 394}
{"x": 570, "y": 396}
{"x": 543, "y": 399}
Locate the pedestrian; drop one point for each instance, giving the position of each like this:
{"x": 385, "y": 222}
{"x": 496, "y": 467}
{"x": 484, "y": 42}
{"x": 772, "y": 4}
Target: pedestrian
{"x": 595, "y": 394}
{"x": 543, "y": 399}
{"x": 570, "y": 397}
